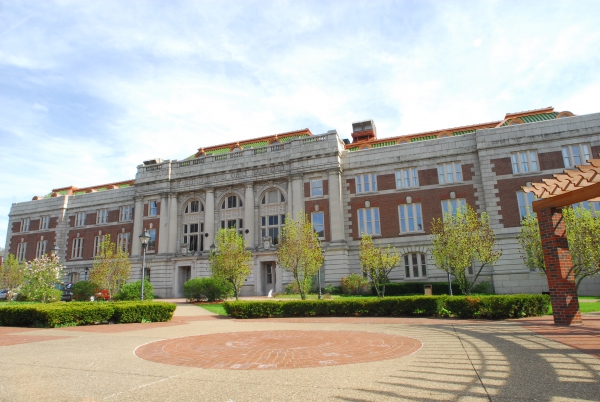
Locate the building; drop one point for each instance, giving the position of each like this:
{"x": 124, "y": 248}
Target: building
{"x": 392, "y": 188}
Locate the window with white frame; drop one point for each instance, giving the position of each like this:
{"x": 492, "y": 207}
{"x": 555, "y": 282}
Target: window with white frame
{"x": 77, "y": 248}
{"x": 25, "y": 224}
{"x": 415, "y": 266}
{"x": 193, "y": 206}
{"x": 406, "y": 178}
{"x": 368, "y": 221}
{"x": 233, "y": 224}
{"x": 231, "y": 201}
{"x": 449, "y": 172}
{"x": 21, "y": 251}
{"x": 452, "y": 206}
{"x": 410, "y": 218}
{"x": 525, "y": 200}
{"x": 98, "y": 243}
{"x": 270, "y": 226}
{"x": 102, "y": 216}
{"x": 126, "y": 213}
{"x": 152, "y": 208}
{"x": 44, "y": 222}
{"x": 193, "y": 236}
{"x": 123, "y": 241}
{"x": 41, "y": 248}
{"x": 523, "y": 162}
{"x": 152, "y": 242}
{"x": 80, "y": 219}
{"x": 577, "y": 154}
{"x": 593, "y": 206}
{"x": 316, "y": 187}
{"x": 318, "y": 223}
{"x": 366, "y": 183}
{"x": 272, "y": 197}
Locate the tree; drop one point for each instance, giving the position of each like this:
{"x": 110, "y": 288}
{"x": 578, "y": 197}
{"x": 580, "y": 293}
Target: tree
{"x": 582, "y": 227}
{"x": 11, "y": 275}
{"x": 40, "y": 279}
{"x": 377, "y": 262}
{"x": 230, "y": 261}
{"x": 111, "y": 267}
{"x": 530, "y": 241}
{"x": 462, "y": 240}
{"x": 300, "y": 251}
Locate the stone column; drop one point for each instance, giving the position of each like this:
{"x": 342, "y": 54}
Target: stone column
{"x": 563, "y": 291}
{"x": 249, "y": 215}
{"x": 297, "y": 195}
{"x": 172, "y": 223}
{"x": 138, "y": 226}
{"x": 163, "y": 224}
{"x": 209, "y": 217}
{"x": 289, "y": 198}
{"x": 336, "y": 215}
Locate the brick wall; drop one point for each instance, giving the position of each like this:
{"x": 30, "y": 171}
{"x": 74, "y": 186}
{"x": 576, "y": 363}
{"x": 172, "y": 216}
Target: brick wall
{"x": 467, "y": 171}
{"x": 507, "y": 193}
{"x": 351, "y": 185}
{"x": 90, "y": 233}
{"x": 551, "y": 160}
{"x": 501, "y": 166}
{"x": 428, "y": 177}
{"x": 309, "y": 206}
{"x": 31, "y": 239}
{"x": 386, "y": 182}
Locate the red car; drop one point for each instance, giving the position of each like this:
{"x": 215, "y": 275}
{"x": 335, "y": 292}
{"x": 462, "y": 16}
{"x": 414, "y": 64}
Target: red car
{"x": 102, "y": 295}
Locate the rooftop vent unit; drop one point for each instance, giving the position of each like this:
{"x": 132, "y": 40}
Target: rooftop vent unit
{"x": 364, "y": 131}
{"x": 153, "y": 161}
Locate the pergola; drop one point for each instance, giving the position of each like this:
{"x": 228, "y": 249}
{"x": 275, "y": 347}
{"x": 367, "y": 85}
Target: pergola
{"x": 574, "y": 185}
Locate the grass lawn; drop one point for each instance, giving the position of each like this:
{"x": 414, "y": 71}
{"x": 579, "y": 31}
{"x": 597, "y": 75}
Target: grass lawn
{"x": 586, "y": 307}
{"x": 214, "y": 308}
{"x": 590, "y": 297}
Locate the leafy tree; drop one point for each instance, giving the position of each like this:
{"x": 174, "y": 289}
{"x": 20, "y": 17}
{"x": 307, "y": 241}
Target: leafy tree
{"x": 230, "y": 261}
{"x": 11, "y": 275}
{"x": 530, "y": 241}
{"x": 300, "y": 251}
{"x": 40, "y": 279}
{"x": 111, "y": 267}
{"x": 462, "y": 240}
{"x": 583, "y": 234}
{"x": 377, "y": 262}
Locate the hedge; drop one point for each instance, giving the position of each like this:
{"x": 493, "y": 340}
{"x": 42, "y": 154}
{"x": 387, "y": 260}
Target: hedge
{"x": 494, "y": 307}
{"x": 83, "y": 313}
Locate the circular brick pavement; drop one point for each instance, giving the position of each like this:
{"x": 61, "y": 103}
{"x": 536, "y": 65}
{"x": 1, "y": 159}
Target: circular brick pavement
{"x": 273, "y": 350}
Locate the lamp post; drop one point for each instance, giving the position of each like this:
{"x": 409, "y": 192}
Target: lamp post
{"x": 144, "y": 239}
{"x": 54, "y": 251}
{"x": 449, "y": 284}
{"x": 85, "y": 271}
{"x": 319, "y": 275}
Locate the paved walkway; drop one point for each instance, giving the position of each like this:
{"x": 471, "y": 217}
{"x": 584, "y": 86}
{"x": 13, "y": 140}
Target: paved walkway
{"x": 201, "y": 357}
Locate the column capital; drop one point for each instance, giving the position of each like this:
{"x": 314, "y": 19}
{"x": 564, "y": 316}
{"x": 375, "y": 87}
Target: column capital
{"x": 250, "y": 185}
{"x": 173, "y": 195}
{"x": 334, "y": 171}
{"x": 210, "y": 189}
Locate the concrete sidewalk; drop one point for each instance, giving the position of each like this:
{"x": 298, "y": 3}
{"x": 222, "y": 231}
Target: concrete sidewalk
{"x": 403, "y": 359}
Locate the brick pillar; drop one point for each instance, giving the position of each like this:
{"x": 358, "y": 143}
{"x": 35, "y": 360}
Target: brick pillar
{"x": 563, "y": 291}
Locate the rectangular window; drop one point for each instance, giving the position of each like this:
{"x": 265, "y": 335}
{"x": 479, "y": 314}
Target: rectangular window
{"x": 271, "y": 226}
{"x": 316, "y": 188}
{"x": 41, "y": 248}
{"x": 451, "y": 206}
{"x": 318, "y": 223}
{"x": 97, "y": 242}
{"x": 44, "y": 222}
{"x": 21, "y": 251}
{"x": 152, "y": 242}
{"x": 406, "y": 178}
{"x": 366, "y": 183}
{"x": 77, "y": 249}
{"x": 449, "y": 173}
{"x": 523, "y": 162}
{"x": 25, "y": 224}
{"x": 577, "y": 154}
{"x": 414, "y": 265}
{"x": 102, "y": 216}
{"x": 593, "y": 206}
{"x": 123, "y": 241}
{"x": 193, "y": 236}
{"x": 368, "y": 221}
{"x": 80, "y": 219}
{"x": 126, "y": 213}
{"x": 152, "y": 208}
{"x": 525, "y": 199}
{"x": 410, "y": 218}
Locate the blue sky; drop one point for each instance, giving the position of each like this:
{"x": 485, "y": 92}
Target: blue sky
{"x": 88, "y": 90}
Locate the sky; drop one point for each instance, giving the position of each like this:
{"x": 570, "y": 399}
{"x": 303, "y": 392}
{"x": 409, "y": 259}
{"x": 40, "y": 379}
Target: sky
{"x": 89, "y": 90}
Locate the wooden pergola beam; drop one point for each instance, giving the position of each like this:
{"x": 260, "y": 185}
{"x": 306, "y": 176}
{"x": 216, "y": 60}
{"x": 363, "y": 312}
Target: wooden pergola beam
{"x": 579, "y": 195}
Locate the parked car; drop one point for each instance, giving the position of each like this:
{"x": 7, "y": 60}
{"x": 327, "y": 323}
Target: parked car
{"x": 3, "y": 294}
{"x": 102, "y": 295}
{"x": 67, "y": 291}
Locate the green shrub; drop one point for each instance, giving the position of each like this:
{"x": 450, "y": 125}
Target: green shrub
{"x": 417, "y": 288}
{"x": 209, "y": 289}
{"x": 292, "y": 288}
{"x": 126, "y": 312}
{"x": 483, "y": 288}
{"x": 333, "y": 290}
{"x": 355, "y": 284}
{"x": 133, "y": 291}
{"x": 83, "y": 290}
{"x": 494, "y": 307}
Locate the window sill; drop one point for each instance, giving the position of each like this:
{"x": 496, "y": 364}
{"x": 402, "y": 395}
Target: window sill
{"x": 411, "y": 233}
{"x": 407, "y": 188}
{"x": 454, "y": 183}
{"x": 366, "y": 192}
{"x": 531, "y": 172}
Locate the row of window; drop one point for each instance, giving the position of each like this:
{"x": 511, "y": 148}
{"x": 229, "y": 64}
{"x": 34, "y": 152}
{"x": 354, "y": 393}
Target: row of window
{"x": 125, "y": 214}
{"x": 123, "y": 243}
{"x": 44, "y": 224}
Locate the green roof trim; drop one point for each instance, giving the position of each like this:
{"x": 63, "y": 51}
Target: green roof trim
{"x": 425, "y": 138}
{"x": 219, "y": 151}
{"x": 534, "y": 118}
{"x": 383, "y": 144}
{"x": 190, "y": 157}
{"x": 463, "y": 132}
{"x": 257, "y": 144}
{"x": 353, "y": 149}
{"x": 293, "y": 137}
{"x": 124, "y": 185}
{"x": 78, "y": 192}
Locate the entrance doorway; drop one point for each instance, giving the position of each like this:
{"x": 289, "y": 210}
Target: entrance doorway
{"x": 185, "y": 273}
{"x": 269, "y": 278}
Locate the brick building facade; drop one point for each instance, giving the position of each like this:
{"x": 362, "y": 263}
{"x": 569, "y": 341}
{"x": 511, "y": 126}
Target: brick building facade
{"x": 392, "y": 188}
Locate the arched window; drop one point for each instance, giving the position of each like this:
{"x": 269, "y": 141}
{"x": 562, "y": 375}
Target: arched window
{"x": 272, "y": 197}
{"x": 232, "y": 201}
{"x": 193, "y": 207}
{"x": 415, "y": 266}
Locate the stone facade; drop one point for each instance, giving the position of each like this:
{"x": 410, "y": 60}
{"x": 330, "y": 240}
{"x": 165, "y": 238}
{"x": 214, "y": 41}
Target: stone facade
{"x": 185, "y": 202}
